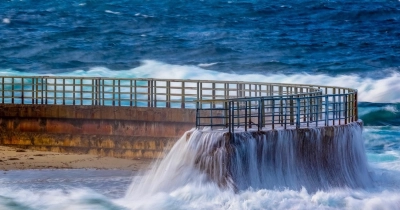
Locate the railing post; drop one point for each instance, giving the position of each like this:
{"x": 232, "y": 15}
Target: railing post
{"x": 226, "y": 114}
{"x": 2, "y": 90}
{"x": 291, "y": 110}
{"x": 297, "y": 112}
{"x": 33, "y": 90}
{"x": 183, "y": 95}
{"x": 22, "y": 90}
{"x": 345, "y": 109}
{"x": 168, "y": 96}
{"x": 238, "y": 112}
{"x": 211, "y": 115}
{"x": 340, "y": 107}
{"x": 334, "y": 109}
{"x": 12, "y": 90}
{"x": 213, "y": 93}
{"x": 260, "y": 114}
{"x": 155, "y": 93}
{"x": 273, "y": 114}
{"x": 149, "y": 93}
{"x": 135, "y": 89}
{"x": 80, "y": 91}
{"x": 326, "y": 110}
{"x": 317, "y": 110}
{"x": 197, "y": 115}
{"x": 355, "y": 106}
{"x": 63, "y": 93}
{"x": 245, "y": 115}
{"x": 232, "y": 123}
{"x": 285, "y": 116}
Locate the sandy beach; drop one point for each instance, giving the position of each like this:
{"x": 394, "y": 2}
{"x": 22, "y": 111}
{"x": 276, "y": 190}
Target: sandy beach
{"x": 20, "y": 159}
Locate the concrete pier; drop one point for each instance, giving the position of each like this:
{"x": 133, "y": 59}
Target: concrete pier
{"x": 139, "y": 118}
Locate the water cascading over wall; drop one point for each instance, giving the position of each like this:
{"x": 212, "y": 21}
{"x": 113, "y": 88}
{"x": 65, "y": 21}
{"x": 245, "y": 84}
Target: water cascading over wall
{"x": 314, "y": 158}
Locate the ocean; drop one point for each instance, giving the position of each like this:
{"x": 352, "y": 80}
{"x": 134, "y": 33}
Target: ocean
{"x": 339, "y": 43}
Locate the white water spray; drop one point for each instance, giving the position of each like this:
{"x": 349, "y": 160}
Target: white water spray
{"x": 314, "y": 159}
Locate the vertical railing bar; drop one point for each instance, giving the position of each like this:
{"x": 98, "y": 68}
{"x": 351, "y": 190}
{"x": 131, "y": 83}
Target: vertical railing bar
{"x": 131, "y": 93}
{"x": 22, "y": 91}
{"x": 227, "y": 115}
{"x": 326, "y": 110}
{"x": 198, "y": 94}
{"x": 55, "y": 91}
{"x": 81, "y": 91}
{"x": 155, "y": 93}
{"x": 285, "y": 112}
{"x": 2, "y": 91}
{"x": 46, "y": 91}
{"x": 230, "y": 122}
{"x": 273, "y": 113}
{"x": 298, "y": 112}
{"x": 262, "y": 113}
{"x": 113, "y": 92}
{"x": 238, "y": 113}
{"x": 103, "y": 94}
{"x": 149, "y": 93}
{"x": 232, "y": 118}
{"x": 73, "y": 91}
{"x": 310, "y": 109}
{"x": 119, "y": 92}
{"x": 259, "y": 112}
{"x": 197, "y": 115}
{"x": 280, "y": 115}
{"x": 340, "y": 107}
{"x": 213, "y": 93}
{"x": 12, "y": 90}
{"x": 136, "y": 94}
{"x": 345, "y": 109}
{"x": 183, "y": 95}
{"x": 317, "y": 110}
{"x": 334, "y": 109}
{"x": 33, "y": 91}
{"x": 245, "y": 115}
{"x": 211, "y": 116}
{"x": 168, "y": 97}
{"x": 94, "y": 93}
{"x": 64, "y": 90}
{"x": 291, "y": 111}
{"x": 355, "y": 105}
{"x": 98, "y": 90}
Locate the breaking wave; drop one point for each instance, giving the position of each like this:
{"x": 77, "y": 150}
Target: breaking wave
{"x": 381, "y": 90}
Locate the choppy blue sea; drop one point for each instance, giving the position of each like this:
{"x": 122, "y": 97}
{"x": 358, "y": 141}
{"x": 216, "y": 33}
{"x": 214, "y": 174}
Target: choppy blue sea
{"x": 329, "y": 42}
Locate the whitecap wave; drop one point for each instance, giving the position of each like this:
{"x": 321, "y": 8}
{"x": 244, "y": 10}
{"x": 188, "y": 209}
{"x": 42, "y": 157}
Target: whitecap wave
{"x": 382, "y": 90}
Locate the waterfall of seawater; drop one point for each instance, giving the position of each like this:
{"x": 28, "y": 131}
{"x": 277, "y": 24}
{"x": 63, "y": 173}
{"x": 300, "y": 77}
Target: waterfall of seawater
{"x": 314, "y": 159}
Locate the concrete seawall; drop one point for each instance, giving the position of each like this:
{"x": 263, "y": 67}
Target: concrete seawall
{"x": 128, "y": 132}
{"x": 139, "y": 117}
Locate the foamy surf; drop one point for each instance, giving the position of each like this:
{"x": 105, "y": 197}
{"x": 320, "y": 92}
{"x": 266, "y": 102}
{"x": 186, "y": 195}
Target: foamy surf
{"x": 382, "y": 90}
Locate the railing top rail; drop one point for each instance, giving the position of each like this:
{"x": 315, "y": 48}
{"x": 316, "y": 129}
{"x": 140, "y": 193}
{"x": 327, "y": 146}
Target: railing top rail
{"x": 187, "y": 80}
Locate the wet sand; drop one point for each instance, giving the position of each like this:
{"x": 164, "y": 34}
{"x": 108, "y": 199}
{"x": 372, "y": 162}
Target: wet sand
{"x": 20, "y": 159}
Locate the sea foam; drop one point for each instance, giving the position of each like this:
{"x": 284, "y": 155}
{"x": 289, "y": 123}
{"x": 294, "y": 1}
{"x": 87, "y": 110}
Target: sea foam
{"x": 382, "y": 90}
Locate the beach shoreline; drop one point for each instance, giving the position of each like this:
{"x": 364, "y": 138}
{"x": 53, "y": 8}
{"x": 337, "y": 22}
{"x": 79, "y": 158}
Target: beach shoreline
{"x": 24, "y": 159}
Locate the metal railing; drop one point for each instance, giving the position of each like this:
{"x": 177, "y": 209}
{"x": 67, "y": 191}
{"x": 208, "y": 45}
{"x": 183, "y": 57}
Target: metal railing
{"x": 219, "y": 104}
{"x": 139, "y": 92}
{"x": 324, "y": 107}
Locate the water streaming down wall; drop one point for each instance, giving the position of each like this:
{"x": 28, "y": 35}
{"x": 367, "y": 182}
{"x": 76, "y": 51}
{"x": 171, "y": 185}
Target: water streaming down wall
{"x": 313, "y": 158}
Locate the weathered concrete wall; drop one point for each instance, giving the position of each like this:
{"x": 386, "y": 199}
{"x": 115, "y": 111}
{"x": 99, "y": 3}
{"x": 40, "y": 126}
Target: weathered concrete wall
{"x": 130, "y": 132}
